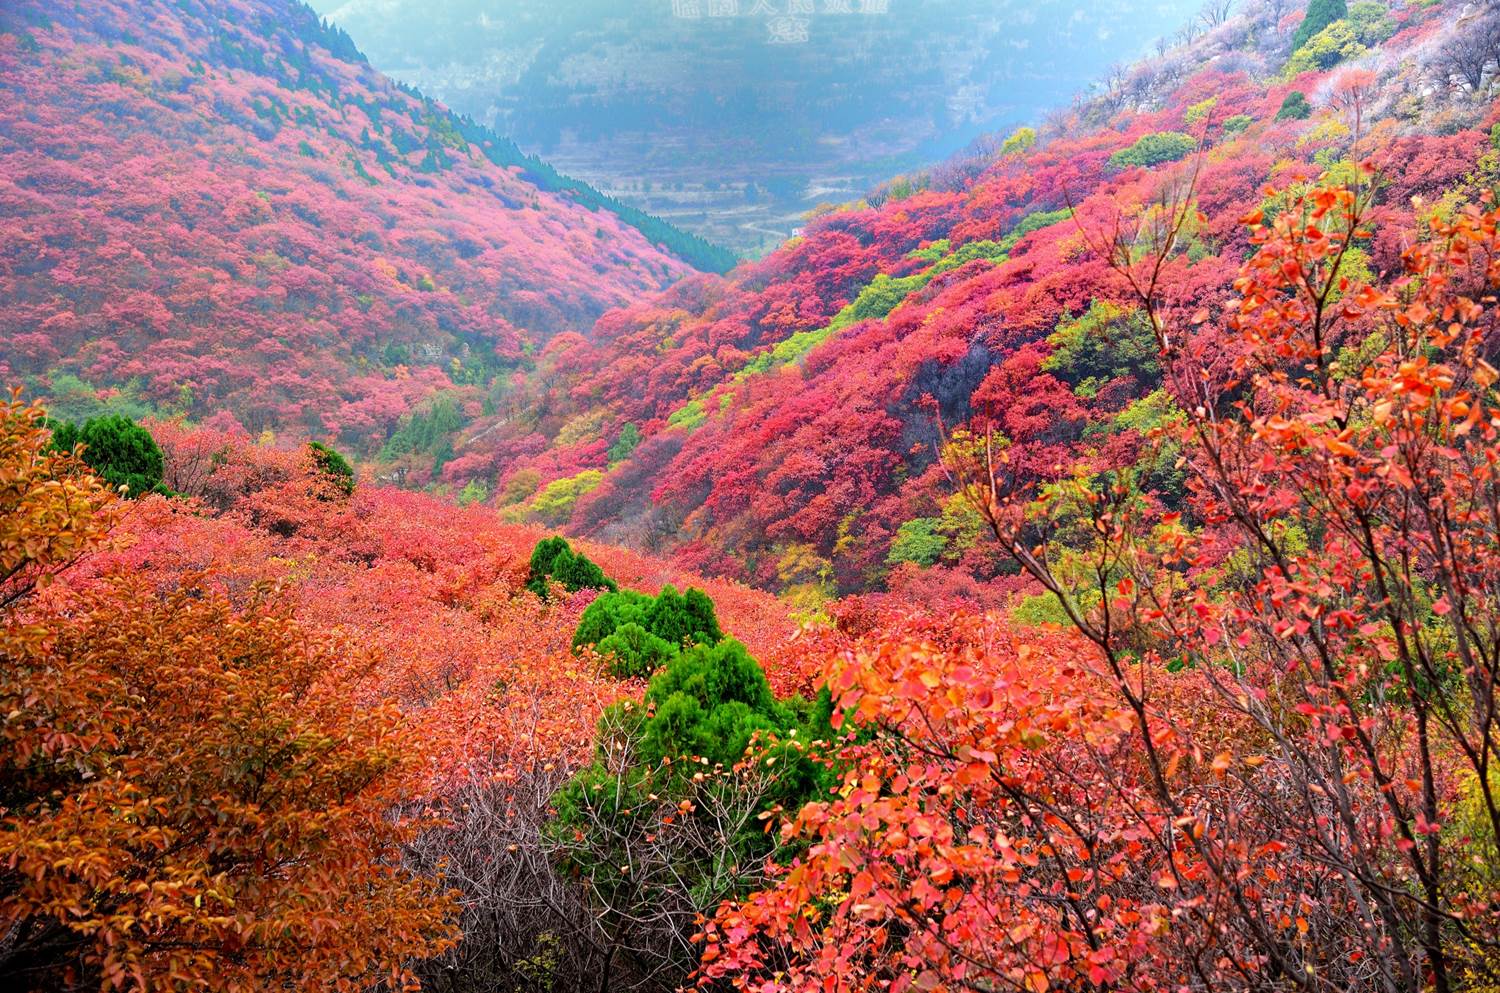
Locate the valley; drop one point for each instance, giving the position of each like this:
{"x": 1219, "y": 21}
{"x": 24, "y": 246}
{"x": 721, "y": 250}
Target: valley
{"x": 1056, "y": 557}
{"x": 730, "y": 118}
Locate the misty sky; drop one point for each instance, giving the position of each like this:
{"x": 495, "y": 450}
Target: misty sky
{"x": 695, "y": 108}
{"x": 1042, "y": 50}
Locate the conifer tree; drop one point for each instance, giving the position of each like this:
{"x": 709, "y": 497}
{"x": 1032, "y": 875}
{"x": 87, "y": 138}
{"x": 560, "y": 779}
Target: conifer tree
{"x": 122, "y": 452}
{"x": 1320, "y": 14}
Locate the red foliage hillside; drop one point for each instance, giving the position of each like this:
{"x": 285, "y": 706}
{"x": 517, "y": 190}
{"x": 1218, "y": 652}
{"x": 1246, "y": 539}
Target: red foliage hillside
{"x": 787, "y": 413}
{"x": 221, "y": 207}
{"x": 436, "y": 593}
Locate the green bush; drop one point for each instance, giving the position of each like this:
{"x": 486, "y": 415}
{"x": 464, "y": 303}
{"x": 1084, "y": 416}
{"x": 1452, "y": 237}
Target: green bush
{"x": 1371, "y": 22}
{"x": 1199, "y": 111}
{"x": 901, "y": 188}
{"x": 680, "y": 618}
{"x": 710, "y": 702}
{"x": 1238, "y": 124}
{"x": 1105, "y": 343}
{"x": 1154, "y": 149}
{"x": 122, "y": 452}
{"x": 884, "y": 294}
{"x": 442, "y": 456}
{"x": 1033, "y": 222}
{"x": 934, "y": 251}
{"x": 677, "y": 790}
{"x": 641, "y": 632}
{"x": 609, "y": 612}
{"x": 625, "y": 444}
{"x": 474, "y": 491}
{"x": 554, "y": 504}
{"x": 713, "y": 703}
{"x": 688, "y": 416}
{"x": 1320, "y": 14}
{"x": 553, "y": 559}
{"x": 1334, "y": 44}
{"x": 424, "y": 430}
{"x": 1019, "y": 141}
{"x": 917, "y": 541}
{"x": 71, "y": 399}
{"x": 1295, "y": 107}
{"x": 333, "y": 465}
{"x": 519, "y": 487}
{"x": 968, "y": 252}
{"x": 634, "y": 651}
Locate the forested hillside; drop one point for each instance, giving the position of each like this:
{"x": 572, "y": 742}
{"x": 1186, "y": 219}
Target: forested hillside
{"x": 220, "y": 209}
{"x": 1131, "y": 496}
{"x": 776, "y": 425}
{"x": 262, "y": 675}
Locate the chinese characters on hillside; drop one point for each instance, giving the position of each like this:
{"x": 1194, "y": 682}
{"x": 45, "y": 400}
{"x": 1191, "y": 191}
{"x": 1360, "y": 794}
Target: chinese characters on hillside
{"x": 788, "y": 22}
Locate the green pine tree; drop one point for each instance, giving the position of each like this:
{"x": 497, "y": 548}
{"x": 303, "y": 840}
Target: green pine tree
{"x": 1320, "y": 14}
{"x": 122, "y": 452}
{"x": 553, "y": 559}
{"x": 1295, "y": 107}
{"x": 708, "y": 726}
{"x": 333, "y": 465}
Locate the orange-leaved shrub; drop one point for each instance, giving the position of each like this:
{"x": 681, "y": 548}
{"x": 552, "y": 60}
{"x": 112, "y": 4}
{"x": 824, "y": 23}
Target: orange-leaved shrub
{"x": 191, "y": 796}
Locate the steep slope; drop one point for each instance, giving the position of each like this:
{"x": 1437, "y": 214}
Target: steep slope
{"x": 211, "y": 207}
{"x": 780, "y": 425}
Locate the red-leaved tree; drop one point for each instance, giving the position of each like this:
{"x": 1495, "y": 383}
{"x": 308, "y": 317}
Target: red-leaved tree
{"x": 1275, "y": 768}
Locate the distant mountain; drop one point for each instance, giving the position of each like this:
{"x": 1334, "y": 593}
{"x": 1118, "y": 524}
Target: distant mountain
{"x": 733, "y": 117}
{"x": 779, "y": 425}
{"x": 219, "y": 206}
